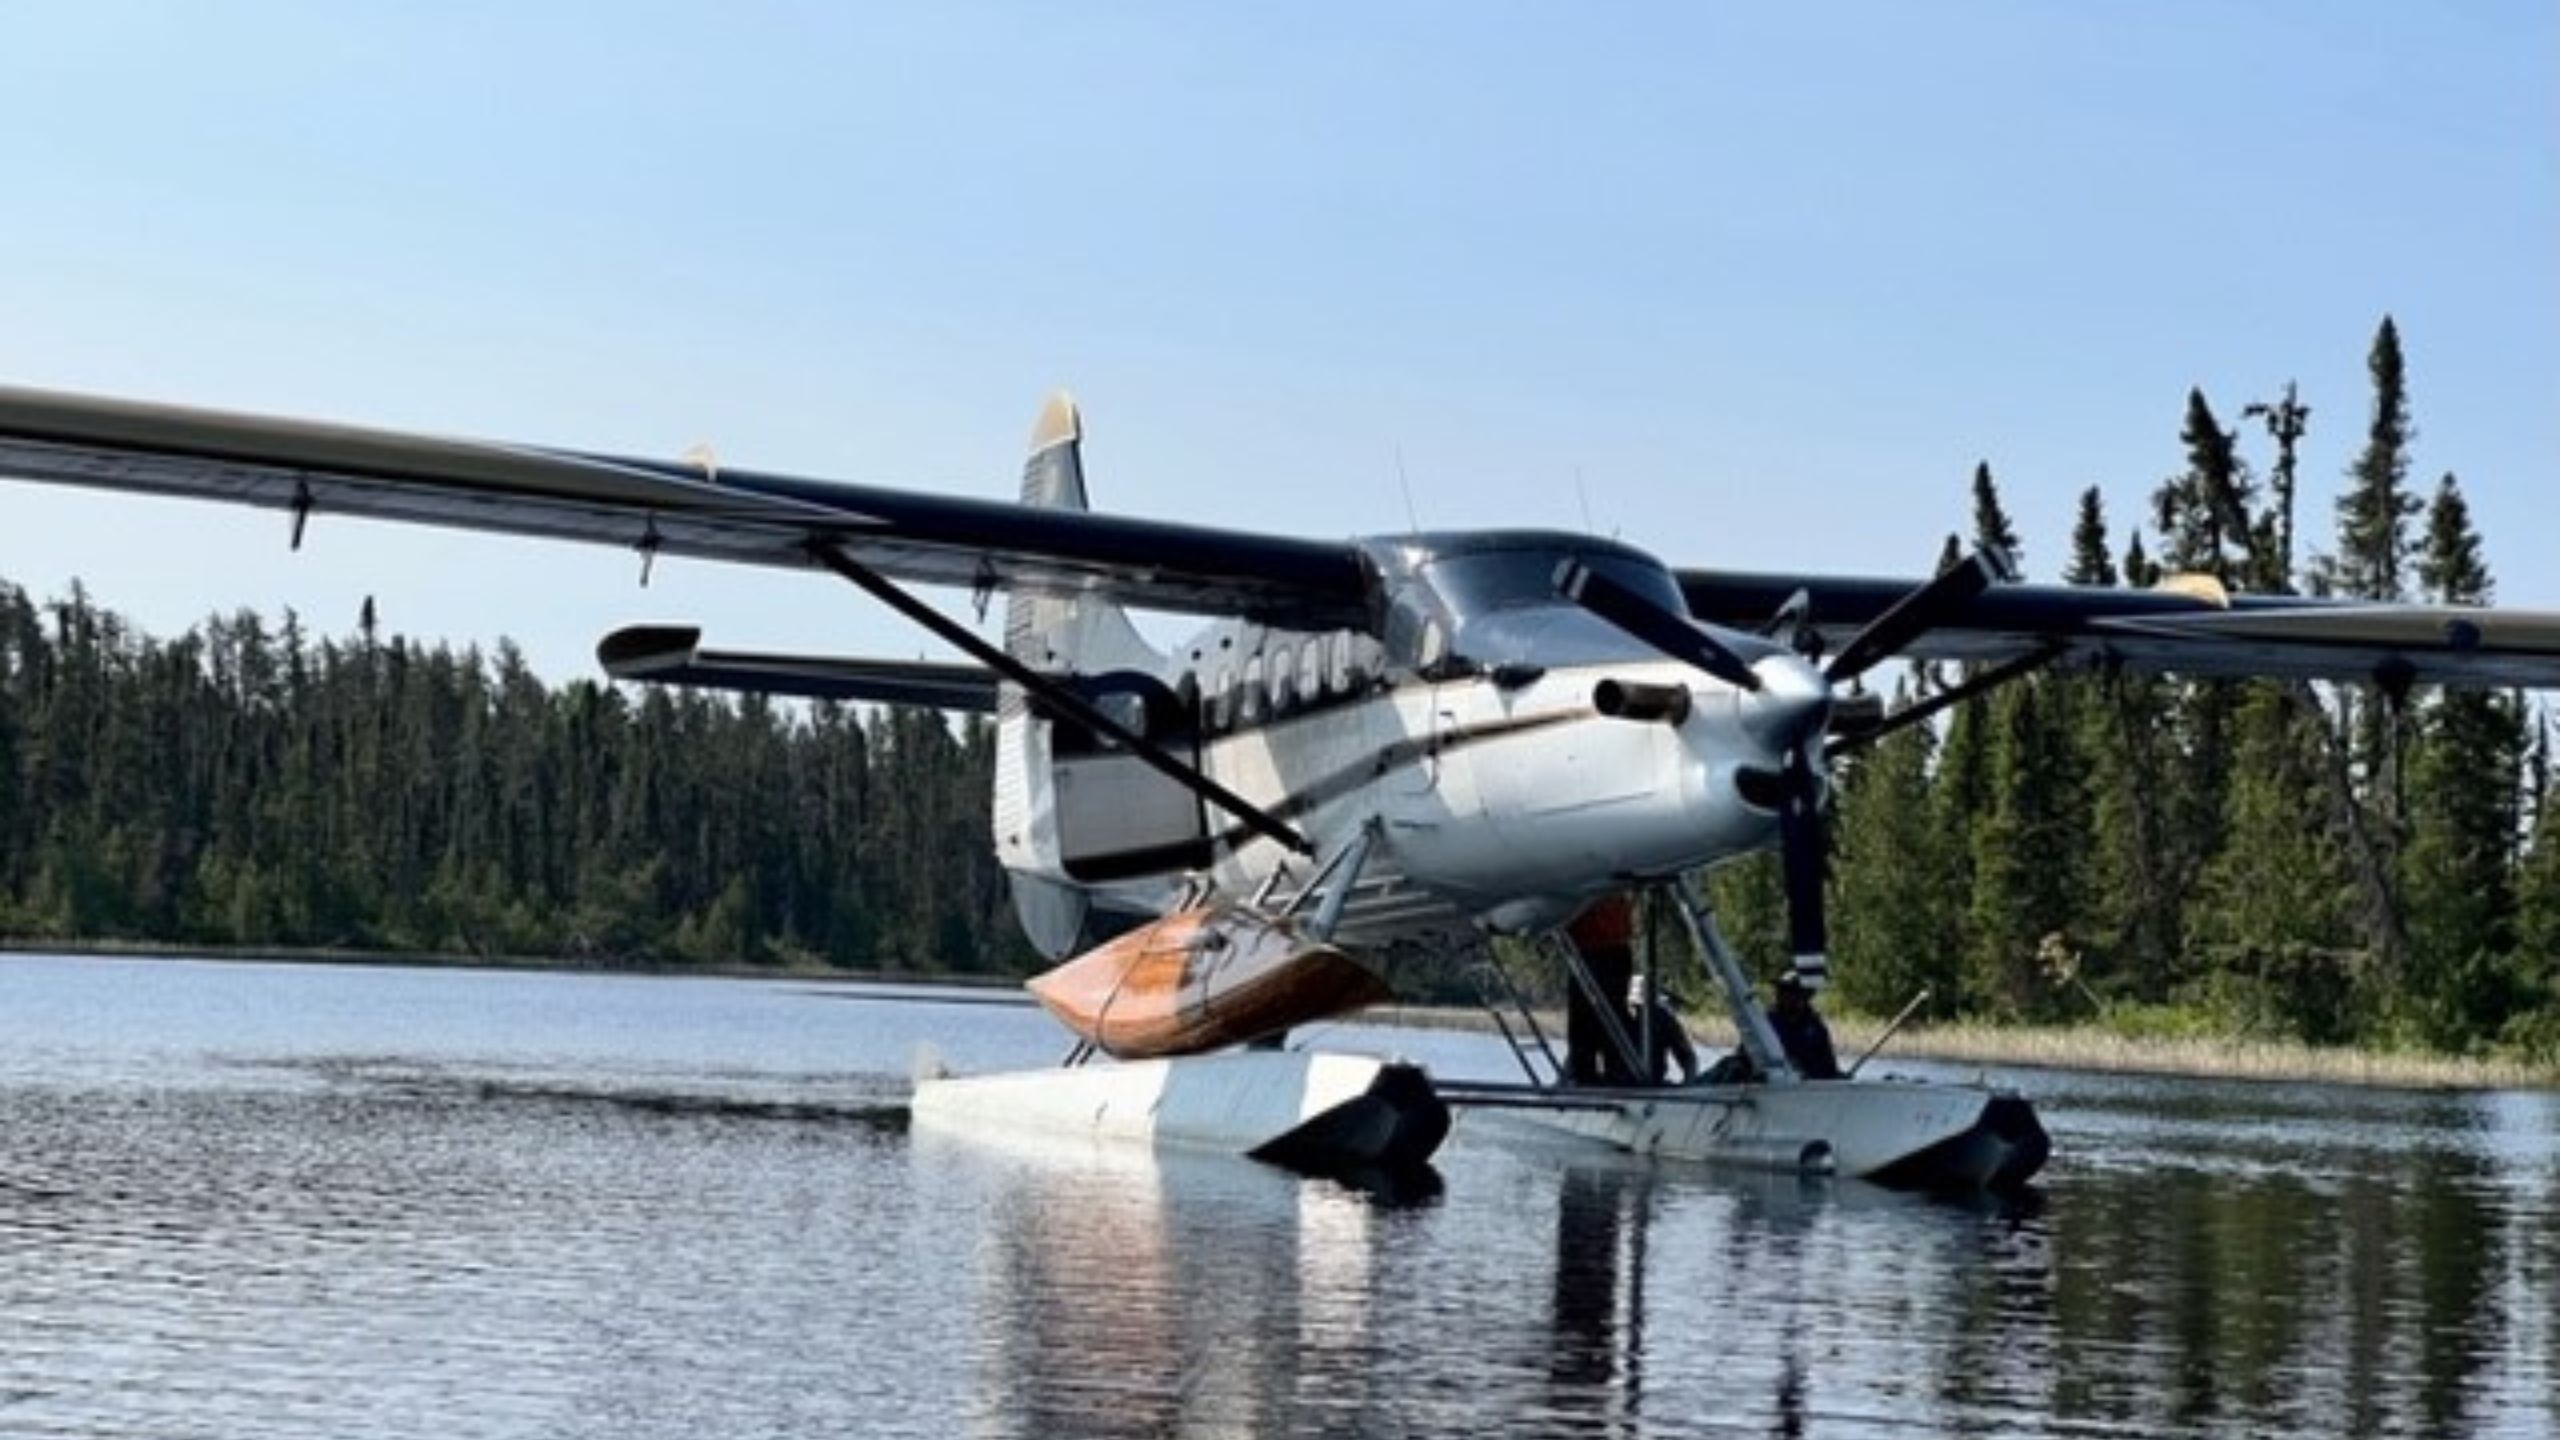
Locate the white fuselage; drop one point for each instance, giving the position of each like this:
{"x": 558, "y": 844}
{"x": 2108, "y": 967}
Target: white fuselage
{"x": 1500, "y": 802}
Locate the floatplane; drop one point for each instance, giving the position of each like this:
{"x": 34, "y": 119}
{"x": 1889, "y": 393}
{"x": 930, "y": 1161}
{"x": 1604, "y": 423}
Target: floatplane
{"x": 1377, "y": 748}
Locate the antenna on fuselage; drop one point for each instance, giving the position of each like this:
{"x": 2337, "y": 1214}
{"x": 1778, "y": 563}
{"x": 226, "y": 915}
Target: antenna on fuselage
{"x": 1582, "y": 496}
{"x": 1412, "y": 517}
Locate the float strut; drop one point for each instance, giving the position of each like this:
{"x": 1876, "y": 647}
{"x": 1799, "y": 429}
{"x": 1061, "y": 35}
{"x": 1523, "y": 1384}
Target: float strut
{"x": 1759, "y": 1041}
{"x": 1612, "y": 1019}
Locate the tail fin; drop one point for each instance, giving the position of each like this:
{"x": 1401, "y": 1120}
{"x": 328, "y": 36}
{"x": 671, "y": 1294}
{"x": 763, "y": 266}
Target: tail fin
{"x": 1071, "y": 634}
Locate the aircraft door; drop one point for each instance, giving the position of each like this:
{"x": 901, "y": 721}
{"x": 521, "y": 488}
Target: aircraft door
{"x": 1119, "y": 817}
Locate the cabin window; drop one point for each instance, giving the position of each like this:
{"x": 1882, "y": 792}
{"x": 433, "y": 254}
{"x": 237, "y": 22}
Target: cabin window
{"x": 1222, "y": 699}
{"x": 1343, "y": 665}
{"x": 1127, "y": 707}
{"x": 1249, "y": 701}
{"x": 1310, "y": 670}
{"x": 1284, "y": 686}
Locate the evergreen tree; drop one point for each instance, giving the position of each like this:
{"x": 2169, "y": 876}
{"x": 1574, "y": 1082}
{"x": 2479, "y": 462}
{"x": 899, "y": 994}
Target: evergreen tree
{"x": 2375, "y": 510}
{"x": 2534, "y": 1027}
{"x": 2203, "y": 512}
{"x": 2133, "y": 904}
{"x": 2463, "y": 818}
{"x": 2372, "y": 560}
{"x": 1965, "y": 793}
{"x": 2270, "y": 915}
{"x": 1892, "y": 930}
{"x": 2027, "y": 866}
{"x": 2090, "y": 564}
{"x": 1750, "y": 899}
{"x": 1992, "y": 529}
{"x": 2139, "y": 572}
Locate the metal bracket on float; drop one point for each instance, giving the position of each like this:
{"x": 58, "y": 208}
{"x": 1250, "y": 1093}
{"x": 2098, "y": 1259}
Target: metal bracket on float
{"x": 1347, "y": 863}
{"x": 1057, "y": 698}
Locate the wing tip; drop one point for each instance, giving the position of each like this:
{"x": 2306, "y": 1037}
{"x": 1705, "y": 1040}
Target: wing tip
{"x": 1059, "y": 422}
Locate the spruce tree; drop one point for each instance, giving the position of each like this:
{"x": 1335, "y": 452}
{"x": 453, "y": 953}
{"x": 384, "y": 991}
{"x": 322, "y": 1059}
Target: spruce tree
{"x": 2132, "y": 914}
{"x": 2027, "y": 868}
{"x": 1892, "y": 926}
{"x": 2376, "y": 507}
{"x": 1750, "y": 899}
{"x": 2463, "y": 817}
{"x": 2373, "y": 550}
{"x": 1992, "y": 528}
{"x": 2535, "y": 971}
{"x": 2139, "y": 572}
{"x": 2090, "y": 563}
{"x": 2203, "y": 512}
{"x": 2270, "y": 910}
{"x": 1964, "y": 791}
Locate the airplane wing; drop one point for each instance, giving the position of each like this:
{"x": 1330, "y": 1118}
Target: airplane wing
{"x": 674, "y": 508}
{"x": 753, "y": 517}
{"x": 673, "y": 655}
{"x": 2190, "y": 627}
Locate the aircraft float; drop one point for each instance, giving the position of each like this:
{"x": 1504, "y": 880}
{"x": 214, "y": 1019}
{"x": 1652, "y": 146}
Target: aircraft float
{"x": 1377, "y": 748}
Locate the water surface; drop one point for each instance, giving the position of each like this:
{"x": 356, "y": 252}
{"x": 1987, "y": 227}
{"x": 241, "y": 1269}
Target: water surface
{"x": 252, "y": 1200}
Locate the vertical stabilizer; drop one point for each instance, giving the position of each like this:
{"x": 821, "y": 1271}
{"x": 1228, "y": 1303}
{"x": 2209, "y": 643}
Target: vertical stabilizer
{"x": 1065, "y": 634}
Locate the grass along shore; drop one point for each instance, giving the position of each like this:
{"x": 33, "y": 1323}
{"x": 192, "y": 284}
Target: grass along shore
{"x": 2087, "y": 1047}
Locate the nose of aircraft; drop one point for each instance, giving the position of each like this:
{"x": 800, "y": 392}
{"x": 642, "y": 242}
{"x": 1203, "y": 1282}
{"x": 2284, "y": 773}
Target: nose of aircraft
{"x": 1792, "y": 703}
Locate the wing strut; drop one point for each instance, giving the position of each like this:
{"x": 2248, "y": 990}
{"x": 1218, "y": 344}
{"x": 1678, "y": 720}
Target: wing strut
{"x": 1919, "y": 710}
{"x": 1058, "y": 698}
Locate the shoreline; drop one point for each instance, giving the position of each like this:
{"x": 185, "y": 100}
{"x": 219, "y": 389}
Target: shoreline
{"x": 436, "y": 960}
{"x": 2081, "y": 1047}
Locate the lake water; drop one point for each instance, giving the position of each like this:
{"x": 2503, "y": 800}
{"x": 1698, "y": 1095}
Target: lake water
{"x": 285, "y": 1201}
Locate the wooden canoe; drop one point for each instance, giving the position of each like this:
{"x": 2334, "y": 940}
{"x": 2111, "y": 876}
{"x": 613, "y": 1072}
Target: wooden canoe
{"x": 1203, "y": 980}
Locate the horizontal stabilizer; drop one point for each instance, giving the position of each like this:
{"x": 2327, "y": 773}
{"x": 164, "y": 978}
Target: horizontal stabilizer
{"x": 673, "y": 655}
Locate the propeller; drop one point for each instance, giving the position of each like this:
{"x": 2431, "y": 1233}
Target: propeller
{"x": 1674, "y": 635}
{"x": 1916, "y": 613}
{"x": 1792, "y": 700}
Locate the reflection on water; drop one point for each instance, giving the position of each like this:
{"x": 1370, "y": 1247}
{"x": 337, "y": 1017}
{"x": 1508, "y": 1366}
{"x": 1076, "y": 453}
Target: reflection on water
{"x": 301, "y": 1201}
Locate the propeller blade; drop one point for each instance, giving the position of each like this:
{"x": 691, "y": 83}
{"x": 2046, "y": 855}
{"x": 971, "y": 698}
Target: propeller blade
{"x": 1674, "y": 635}
{"x": 1917, "y": 613}
{"x": 1919, "y": 710}
{"x": 1803, "y": 854}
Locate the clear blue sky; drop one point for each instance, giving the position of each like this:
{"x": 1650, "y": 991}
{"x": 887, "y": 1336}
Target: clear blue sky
{"x": 1771, "y": 279}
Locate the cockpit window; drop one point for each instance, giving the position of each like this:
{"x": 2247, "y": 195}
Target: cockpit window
{"x": 1472, "y": 606}
{"x": 1481, "y": 583}
{"x": 1434, "y": 645}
